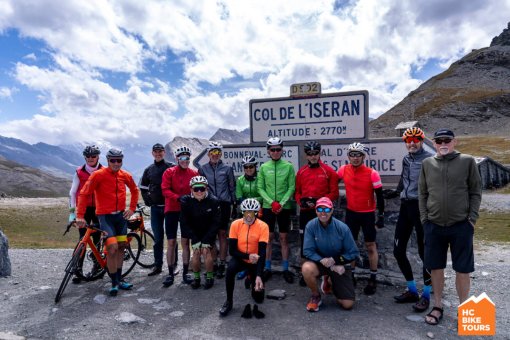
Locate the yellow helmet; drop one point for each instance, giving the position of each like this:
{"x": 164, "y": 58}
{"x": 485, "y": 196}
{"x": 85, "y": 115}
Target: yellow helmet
{"x": 413, "y": 132}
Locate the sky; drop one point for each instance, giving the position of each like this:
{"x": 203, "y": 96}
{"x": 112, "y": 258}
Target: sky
{"x": 144, "y": 71}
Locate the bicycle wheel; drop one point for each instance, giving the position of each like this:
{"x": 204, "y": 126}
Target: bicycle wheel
{"x": 91, "y": 270}
{"x": 146, "y": 259}
{"x": 70, "y": 270}
{"x": 131, "y": 253}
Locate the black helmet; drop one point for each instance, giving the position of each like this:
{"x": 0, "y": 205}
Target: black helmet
{"x": 91, "y": 150}
{"x": 114, "y": 153}
{"x": 312, "y": 146}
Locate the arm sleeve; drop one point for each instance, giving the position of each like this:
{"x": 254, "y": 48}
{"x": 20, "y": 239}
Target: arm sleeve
{"x": 423, "y": 195}
{"x": 309, "y": 246}
{"x": 400, "y": 186}
{"x": 232, "y": 184}
{"x": 74, "y": 191}
{"x": 85, "y": 193}
{"x": 234, "y": 250}
{"x": 166, "y": 185}
{"x": 350, "y": 250}
{"x": 134, "y": 193}
{"x": 210, "y": 235}
{"x": 144, "y": 187}
{"x": 380, "y": 200}
{"x": 185, "y": 219}
{"x": 475, "y": 191}
{"x": 291, "y": 182}
{"x": 261, "y": 185}
{"x": 239, "y": 190}
{"x": 262, "y": 258}
{"x": 297, "y": 193}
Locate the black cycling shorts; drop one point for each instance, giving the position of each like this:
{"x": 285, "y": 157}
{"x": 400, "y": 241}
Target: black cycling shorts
{"x": 171, "y": 224}
{"x": 363, "y": 220}
{"x": 343, "y": 286}
{"x": 283, "y": 219}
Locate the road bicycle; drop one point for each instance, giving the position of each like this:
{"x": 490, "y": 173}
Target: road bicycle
{"x": 136, "y": 225}
{"x": 97, "y": 255}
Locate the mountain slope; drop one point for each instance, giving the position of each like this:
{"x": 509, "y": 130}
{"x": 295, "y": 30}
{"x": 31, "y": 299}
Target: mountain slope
{"x": 471, "y": 97}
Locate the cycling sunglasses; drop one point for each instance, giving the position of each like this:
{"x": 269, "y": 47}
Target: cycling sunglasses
{"x": 312, "y": 153}
{"x": 440, "y": 141}
{"x": 199, "y": 189}
{"x": 322, "y": 209}
{"x": 115, "y": 160}
{"x": 91, "y": 156}
{"x": 355, "y": 154}
{"x": 215, "y": 152}
{"x": 184, "y": 158}
{"x": 413, "y": 139}
{"x": 275, "y": 149}
{"x": 249, "y": 166}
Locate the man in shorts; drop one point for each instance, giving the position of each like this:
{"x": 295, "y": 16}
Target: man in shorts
{"x": 329, "y": 248}
{"x": 108, "y": 185}
{"x": 450, "y": 193}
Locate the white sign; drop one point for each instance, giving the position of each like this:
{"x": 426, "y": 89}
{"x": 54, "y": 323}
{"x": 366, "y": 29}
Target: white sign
{"x": 385, "y": 157}
{"x": 328, "y": 116}
{"x": 305, "y": 89}
{"x": 234, "y": 155}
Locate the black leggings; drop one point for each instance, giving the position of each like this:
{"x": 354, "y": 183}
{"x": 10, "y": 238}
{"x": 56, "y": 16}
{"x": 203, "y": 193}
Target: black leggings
{"x": 235, "y": 266}
{"x": 408, "y": 218}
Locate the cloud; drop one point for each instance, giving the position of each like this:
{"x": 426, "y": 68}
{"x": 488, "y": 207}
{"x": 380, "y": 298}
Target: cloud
{"x": 226, "y": 52}
{"x": 6, "y": 93}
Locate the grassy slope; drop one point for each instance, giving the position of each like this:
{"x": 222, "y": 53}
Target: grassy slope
{"x": 495, "y": 147}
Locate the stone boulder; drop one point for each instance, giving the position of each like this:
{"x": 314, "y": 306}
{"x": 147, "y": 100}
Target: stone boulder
{"x": 5, "y": 262}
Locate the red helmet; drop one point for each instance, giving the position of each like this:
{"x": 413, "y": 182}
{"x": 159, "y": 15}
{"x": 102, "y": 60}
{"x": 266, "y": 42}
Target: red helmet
{"x": 413, "y": 132}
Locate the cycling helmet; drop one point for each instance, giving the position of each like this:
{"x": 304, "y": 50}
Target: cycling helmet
{"x": 357, "y": 147}
{"x": 114, "y": 153}
{"x": 198, "y": 180}
{"x": 248, "y": 160}
{"x": 274, "y": 141}
{"x": 312, "y": 146}
{"x": 413, "y": 132}
{"x": 182, "y": 149}
{"x": 91, "y": 150}
{"x": 214, "y": 145}
{"x": 250, "y": 204}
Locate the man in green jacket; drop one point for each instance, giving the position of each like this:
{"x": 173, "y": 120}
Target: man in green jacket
{"x": 276, "y": 184}
{"x": 449, "y": 198}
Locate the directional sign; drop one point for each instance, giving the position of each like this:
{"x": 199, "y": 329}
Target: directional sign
{"x": 327, "y": 116}
{"x": 232, "y": 155}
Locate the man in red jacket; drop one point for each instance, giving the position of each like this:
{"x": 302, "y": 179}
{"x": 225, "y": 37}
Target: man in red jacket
{"x": 108, "y": 185}
{"x": 313, "y": 180}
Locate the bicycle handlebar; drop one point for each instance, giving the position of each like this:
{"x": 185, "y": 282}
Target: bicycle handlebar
{"x": 73, "y": 224}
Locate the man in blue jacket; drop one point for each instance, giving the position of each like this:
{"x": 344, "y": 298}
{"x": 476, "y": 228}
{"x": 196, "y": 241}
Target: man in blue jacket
{"x": 330, "y": 248}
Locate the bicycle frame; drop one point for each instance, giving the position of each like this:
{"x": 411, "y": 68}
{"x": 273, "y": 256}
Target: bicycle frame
{"x": 87, "y": 240}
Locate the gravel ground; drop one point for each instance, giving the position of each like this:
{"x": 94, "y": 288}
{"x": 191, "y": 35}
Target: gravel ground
{"x": 85, "y": 312}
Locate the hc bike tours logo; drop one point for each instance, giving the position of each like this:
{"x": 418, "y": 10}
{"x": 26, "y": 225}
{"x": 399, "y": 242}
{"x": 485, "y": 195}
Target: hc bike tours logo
{"x": 477, "y": 316}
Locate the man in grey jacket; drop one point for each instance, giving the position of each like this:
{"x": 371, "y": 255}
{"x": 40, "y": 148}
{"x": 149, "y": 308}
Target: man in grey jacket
{"x": 220, "y": 177}
{"x": 449, "y": 197}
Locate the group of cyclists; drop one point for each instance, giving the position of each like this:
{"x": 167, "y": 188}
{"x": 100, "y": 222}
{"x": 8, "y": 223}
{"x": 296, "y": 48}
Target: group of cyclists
{"x": 203, "y": 203}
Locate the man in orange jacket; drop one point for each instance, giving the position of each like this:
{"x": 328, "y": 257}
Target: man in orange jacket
{"x": 108, "y": 185}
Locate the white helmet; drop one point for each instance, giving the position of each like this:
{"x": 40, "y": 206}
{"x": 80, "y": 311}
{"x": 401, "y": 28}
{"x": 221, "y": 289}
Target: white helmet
{"x": 214, "y": 145}
{"x": 357, "y": 147}
{"x": 250, "y": 204}
{"x": 198, "y": 180}
{"x": 274, "y": 141}
{"x": 249, "y": 160}
{"x": 182, "y": 149}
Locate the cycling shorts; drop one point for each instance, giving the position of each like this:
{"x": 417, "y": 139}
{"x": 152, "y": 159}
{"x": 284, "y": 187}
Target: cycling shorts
{"x": 343, "y": 287}
{"x": 171, "y": 224}
{"x": 283, "y": 219}
{"x": 115, "y": 225}
{"x": 363, "y": 220}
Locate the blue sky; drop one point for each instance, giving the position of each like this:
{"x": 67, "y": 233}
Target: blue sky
{"x": 131, "y": 71}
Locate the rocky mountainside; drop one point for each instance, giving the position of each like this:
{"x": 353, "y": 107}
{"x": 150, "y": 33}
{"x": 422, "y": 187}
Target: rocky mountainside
{"x": 472, "y": 96}
{"x": 20, "y": 180}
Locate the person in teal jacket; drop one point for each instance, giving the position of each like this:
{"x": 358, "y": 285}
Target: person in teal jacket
{"x": 246, "y": 187}
{"x": 276, "y": 184}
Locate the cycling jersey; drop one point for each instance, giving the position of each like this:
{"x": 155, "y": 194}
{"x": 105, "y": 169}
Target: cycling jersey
{"x": 248, "y": 237}
{"x": 109, "y": 189}
{"x": 175, "y": 183}
{"x": 150, "y": 183}
{"x": 411, "y": 168}
{"x": 276, "y": 182}
{"x": 316, "y": 182}
{"x": 221, "y": 180}
{"x": 80, "y": 178}
{"x": 360, "y": 183}
{"x": 247, "y": 188}
{"x": 201, "y": 218}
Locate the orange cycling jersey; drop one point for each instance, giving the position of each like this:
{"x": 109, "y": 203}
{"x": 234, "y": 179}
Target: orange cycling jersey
{"x": 109, "y": 190}
{"x": 360, "y": 183}
{"x": 248, "y": 237}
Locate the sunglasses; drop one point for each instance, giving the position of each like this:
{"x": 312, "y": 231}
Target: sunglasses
{"x": 275, "y": 149}
{"x": 215, "y": 152}
{"x": 312, "y": 153}
{"x": 413, "y": 139}
{"x": 326, "y": 210}
{"x": 115, "y": 160}
{"x": 91, "y": 156}
{"x": 199, "y": 189}
{"x": 184, "y": 158}
{"x": 249, "y": 166}
{"x": 249, "y": 212}
{"x": 440, "y": 141}
{"x": 355, "y": 154}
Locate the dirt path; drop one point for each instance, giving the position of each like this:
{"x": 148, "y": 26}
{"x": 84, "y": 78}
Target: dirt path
{"x": 28, "y": 310}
